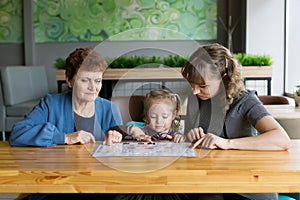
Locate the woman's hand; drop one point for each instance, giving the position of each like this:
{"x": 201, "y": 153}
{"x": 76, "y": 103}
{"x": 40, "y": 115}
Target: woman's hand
{"x": 195, "y": 134}
{"x": 81, "y": 137}
{"x": 178, "y": 138}
{"x": 112, "y": 136}
{"x": 211, "y": 141}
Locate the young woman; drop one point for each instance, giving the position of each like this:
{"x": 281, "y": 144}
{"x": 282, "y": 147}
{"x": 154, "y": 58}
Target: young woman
{"x": 222, "y": 114}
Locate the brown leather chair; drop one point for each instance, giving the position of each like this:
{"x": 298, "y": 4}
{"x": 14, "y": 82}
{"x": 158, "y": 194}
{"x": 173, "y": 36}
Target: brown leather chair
{"x": 131, "y": 107}
{"x": 273, "y": 100}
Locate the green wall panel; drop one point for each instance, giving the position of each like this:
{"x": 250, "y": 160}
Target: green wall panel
{"x": 11, "y": 21}
{"x": 97, "y": 20}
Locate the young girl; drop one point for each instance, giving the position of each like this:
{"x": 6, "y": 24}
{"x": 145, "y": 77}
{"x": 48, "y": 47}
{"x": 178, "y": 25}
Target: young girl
{"x": 162, "y": 120}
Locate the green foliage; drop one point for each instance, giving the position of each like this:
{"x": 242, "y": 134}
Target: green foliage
{"x": 135, "y": 61}
{"x": 174, "y": 61}
{"x": 171, "y": 61}
{"x": 254, "y": 60}
{"x": 297, "y": 90}
{"x": 60, "y": 63}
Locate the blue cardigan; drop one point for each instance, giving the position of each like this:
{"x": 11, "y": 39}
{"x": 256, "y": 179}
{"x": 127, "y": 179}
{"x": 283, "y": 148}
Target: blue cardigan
{"x": 53, "y": 117}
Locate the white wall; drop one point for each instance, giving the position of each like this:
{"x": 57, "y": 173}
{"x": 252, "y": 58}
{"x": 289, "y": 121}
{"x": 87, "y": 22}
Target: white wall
{"x": 293, "y": 43}
{"x": 265, "y": 35}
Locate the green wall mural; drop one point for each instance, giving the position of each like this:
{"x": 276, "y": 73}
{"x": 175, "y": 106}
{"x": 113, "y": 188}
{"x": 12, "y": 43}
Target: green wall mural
{"x": 11, "y": 24}
{"x": 97, "y": 20}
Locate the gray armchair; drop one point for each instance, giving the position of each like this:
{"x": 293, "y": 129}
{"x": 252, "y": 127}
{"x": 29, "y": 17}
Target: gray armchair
{"x": 21, "y": 87}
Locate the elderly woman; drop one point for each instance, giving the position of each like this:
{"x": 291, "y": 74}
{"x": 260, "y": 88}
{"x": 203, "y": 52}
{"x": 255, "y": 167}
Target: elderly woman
{"x": 77, "y": 116}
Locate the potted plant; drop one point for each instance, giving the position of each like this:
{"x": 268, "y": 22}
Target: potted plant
{"x": 135, "y": 61}
{"x": 140, "y": 67}
{"x": 255, "y": 65}
{"x": 145, "y": 67}
{"x": 60, "y": 63}
{"x": 297, "y": 95}
{"x": 254, "y": 60}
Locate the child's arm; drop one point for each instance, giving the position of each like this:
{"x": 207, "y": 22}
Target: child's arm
{"x": 121, "y": 129}
{"x": 132, "y": 132}
{"x": 138, "y": 133}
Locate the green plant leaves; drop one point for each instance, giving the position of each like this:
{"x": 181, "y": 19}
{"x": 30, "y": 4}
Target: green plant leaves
{"x": 60, "y": 63}
{"x": 135, "y": 61}
{"x": 171, "y": 61}
{"x": 254, "y": 60}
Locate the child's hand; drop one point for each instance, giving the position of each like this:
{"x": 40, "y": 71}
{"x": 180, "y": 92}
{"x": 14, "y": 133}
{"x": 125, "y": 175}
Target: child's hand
{"x": 139, "y": 134}
{"x": 145, "y": 138}
{"x": 135, "y": 131}
{"x": 179, "y": 138}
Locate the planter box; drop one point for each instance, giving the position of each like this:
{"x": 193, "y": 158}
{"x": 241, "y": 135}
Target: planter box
{"x": 166, "y": 73}
{"x": 135, "y": 74}
{"x": 143, "y": 74}
{"x": 256, "y": 71}
{"x": 171, "y": 74}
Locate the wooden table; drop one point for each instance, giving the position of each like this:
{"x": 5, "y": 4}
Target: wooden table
{"x": 71, "y": 169}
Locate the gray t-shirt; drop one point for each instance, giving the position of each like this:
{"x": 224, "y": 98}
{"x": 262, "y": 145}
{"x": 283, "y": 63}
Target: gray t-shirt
{"x": 239, "y": 120}
{"x": 84, "y": 123}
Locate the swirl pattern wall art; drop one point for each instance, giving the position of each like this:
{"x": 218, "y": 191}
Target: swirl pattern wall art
{"x": 11, "y": 24}
{"x": 98, "y": 20}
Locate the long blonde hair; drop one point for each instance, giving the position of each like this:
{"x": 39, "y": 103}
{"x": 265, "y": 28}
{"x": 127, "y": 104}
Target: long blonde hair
{"x": 221, "y": 64}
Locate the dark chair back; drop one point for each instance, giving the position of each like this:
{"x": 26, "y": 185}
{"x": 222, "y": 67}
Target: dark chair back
{"x": 273, "y": 100}
{"x": 131, "y": 107}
